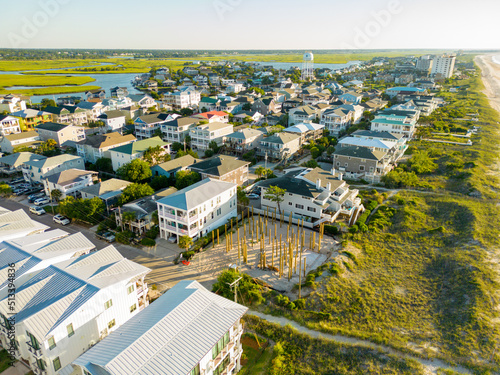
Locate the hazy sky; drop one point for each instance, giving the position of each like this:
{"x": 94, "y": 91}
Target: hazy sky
{"x": 250, "y": 24}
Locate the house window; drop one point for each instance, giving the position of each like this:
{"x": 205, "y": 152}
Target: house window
{"x": 52, "y": 342}
{"x": 290, "y": 203}
{"x": 219, "y": 211}
{"x": 361, "y": 167}
{"x": 108, "y": 304}
{"x": 130, "y": 289}
{"x": 311, "y": 209}
{"x": 299, "y": 206}
{"x": 70, "y": 330}
{"x": 111, "y": 324}
{"x": 57, "y": 364}
{"x": 338, "y": 164}
{"x": 133, "y": 307}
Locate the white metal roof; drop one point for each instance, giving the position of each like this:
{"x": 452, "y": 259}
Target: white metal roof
{"x": 169, "y": 337}
{"x": 366, "y": 142}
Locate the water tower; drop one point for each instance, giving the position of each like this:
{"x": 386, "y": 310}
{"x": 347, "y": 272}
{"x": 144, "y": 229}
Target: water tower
{"x": 308, "y": 67}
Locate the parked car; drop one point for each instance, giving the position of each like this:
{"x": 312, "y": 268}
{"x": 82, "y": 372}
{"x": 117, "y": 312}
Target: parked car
{"x": 37, "y": 210}
{"x": 34, "y": 197}
{"x": 60, "y": 219}
{"x": 253, "y": 196}
{"x": 172, "y": 239}
{"x": 34, "y": 190}
{"x": 42, "y": 200}
{"x": 106, "y": 236}
{"x": 17, "y": 180}
{"x": 20, "y": 191}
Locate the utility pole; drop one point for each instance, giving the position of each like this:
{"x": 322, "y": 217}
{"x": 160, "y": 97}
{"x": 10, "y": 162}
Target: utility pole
{"x": 265, "y": 165}
{"x": 235, "y": 284}
{"x": 50, "y": 195}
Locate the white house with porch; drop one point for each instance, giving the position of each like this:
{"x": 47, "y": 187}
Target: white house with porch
{"x": 198, "y": 209}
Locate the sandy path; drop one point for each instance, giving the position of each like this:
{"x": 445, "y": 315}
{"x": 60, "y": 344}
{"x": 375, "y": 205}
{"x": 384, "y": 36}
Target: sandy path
{"x": 431, "y": 366}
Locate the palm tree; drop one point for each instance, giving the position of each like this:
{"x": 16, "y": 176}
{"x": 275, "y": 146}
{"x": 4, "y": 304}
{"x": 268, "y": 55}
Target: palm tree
{"x": 185, "y": 242}
{"x": 128, "y": 217}
{"x": 56, "y": 195}
{"x": 260, "y": 171}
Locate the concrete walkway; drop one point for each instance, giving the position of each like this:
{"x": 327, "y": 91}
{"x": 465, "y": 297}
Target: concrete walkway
{"x": 17, "y": 369}
{"x": 431, "y": 366}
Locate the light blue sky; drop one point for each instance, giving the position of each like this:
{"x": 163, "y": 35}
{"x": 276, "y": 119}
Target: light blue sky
{"x": 251, "y": 24}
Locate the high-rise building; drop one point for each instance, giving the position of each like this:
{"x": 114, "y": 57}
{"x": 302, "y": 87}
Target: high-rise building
{"x": 442, "y": 66}
{"x": 424, "y": 64}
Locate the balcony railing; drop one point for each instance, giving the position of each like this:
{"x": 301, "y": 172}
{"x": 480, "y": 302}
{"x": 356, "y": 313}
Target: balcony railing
{"x": 36, "y": 352}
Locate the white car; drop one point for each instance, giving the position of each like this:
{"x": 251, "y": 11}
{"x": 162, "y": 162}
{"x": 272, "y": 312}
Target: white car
{"x": 60, "y": 219}
{"x": 37, "y": 210}
{"x": 253, "y": 196}
{"x": 40, "y": 201}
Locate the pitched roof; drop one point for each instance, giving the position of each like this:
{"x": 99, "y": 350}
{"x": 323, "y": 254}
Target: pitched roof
{"x": 55, "y": 293}
{"x": 303, "y": 128}
{"x": 52, "y": 126}
{"x": 106, "y": 187}
{"x": 54, "y": 160}
{"x": 281, "y": 138}
{"x": 107, "y": 140}
{"x": 360, "y": 153}
{"x": 174, "y": 164}
{"x": 219, "y": 165}
{"x": 373, "y": 134}
{"x": 29, "y": 113}
{"x": 182, "y": 121}
{"x": 69, "y": 176}
{"x": 197, "y": 194}
{"x": 245, "y": 134}
{"x": 188, "y": 318}
{"x": 19, "y": 158}
{"x": 112, "y": 114}
{"x": 23, "y": 135}
{"x": 139, "y": 146}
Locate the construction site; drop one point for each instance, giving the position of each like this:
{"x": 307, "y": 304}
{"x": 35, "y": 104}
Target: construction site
{"x": 267, "y": 247}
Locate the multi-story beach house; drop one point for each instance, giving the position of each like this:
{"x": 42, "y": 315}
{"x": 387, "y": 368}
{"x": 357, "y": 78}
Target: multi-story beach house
{"x": 97, "y": 146}
{"x": 314, "y": 195}
{"x": 394, "y": 124}
{"x": 66, "y": 308}
{"x": 125, "y": 154}
{"x": 197, "y": 210}
{"x": 200, "y": 334}
{"x": 38, "y": 170}
{"x": 203, "y": 134}
{"x": 9, "y": 125}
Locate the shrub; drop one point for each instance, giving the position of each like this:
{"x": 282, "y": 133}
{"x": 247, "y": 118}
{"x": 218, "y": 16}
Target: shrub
{"x": 331, "y": 229}
{"x": 188, "y": 254}
{"x": 148, "y": 242}
{"x": 124, "y": 237}
{"x": 372, "y": 205}
{"x": 353, "y": 229}
{"x": 401, "y": 201}
{"x": 153, "y": 232}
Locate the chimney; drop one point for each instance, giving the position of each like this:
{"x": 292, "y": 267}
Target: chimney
{"x": 341, "y": 176}
{"x": 333, "y": 172}
{"x": 318, "y": 183}
{"x": 329, "y": 186}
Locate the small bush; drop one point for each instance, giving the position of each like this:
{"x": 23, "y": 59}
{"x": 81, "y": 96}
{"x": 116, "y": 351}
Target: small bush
{"x": 188, "y": 254}
{"x": 354, "y": 229}
{"x": 331, "y": 229}
{"x": 153, "y": 233}
{"x": 148, "y": 242}
{"x": 124, "y": 237}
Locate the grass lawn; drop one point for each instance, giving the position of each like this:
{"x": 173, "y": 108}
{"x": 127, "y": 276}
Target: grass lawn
{"x": 258, "y": 355}
{"x": 13, "y": 65}
{"x": 5, "y": 360}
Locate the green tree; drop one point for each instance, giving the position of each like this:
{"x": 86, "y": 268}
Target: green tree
{"x": 185, "y": 242}
{"x": 135, "y": 171}
{"x": 260, "y": 171}
{"x": 88, "y": 210}
{"x": 158, "y": 133}
{"x": 5, "y": 190}
{"x": 186, "y": 178}
{"x": 185, "y": 112}
{"x": 56, "y": 195}
{"x": 128, "y": 217}
{"x": 275, "y": 194}
{"x": 133, "y": 192}
{"x": 214, "y": 146}
{"x": 104, "y": 165}
{"x": 242, "y": 197}
{"x": 247, "y": 107}
{"x": 184, "y": 153}
{"x": 177, "y": 146}
{"x": 155, "y": 155}
{"x": 330, "y": 150}
{"x": 248, "y": 291}
{"x": 160, "y": 182}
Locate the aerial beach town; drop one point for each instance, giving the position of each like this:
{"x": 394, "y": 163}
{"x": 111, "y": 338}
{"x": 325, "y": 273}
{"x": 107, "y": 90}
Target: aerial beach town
{"x": 189, "y": 206}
